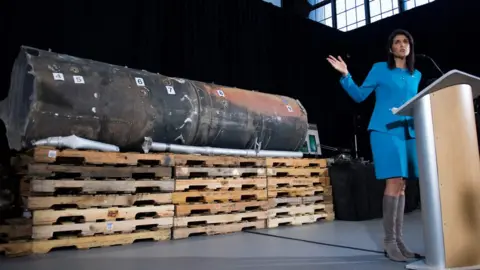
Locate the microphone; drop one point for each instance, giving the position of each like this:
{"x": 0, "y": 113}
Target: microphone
{"x": 431, "y": 60}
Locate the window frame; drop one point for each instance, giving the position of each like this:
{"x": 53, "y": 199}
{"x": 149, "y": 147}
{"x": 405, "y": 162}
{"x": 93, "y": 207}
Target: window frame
{"x": 397, "y": 7}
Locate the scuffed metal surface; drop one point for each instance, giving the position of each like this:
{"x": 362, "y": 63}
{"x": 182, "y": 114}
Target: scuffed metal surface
{"x": 109, "y": 103}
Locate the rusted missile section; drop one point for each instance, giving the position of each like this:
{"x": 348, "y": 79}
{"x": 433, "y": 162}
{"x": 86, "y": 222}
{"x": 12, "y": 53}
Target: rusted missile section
{"x": 59, "y": 95}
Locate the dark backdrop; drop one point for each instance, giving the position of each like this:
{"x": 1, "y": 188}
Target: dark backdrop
{"x": 243, "y": 43}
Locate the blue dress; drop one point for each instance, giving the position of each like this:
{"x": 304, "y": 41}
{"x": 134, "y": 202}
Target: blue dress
{"x": 392, "y": 137}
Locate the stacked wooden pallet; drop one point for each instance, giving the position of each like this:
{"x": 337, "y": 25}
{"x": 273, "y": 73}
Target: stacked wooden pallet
{"x": 90, "y": 199}
{"x": 14, "y": 235}
{"x": 299, "y": 191}
{"x": 219, "y": 194}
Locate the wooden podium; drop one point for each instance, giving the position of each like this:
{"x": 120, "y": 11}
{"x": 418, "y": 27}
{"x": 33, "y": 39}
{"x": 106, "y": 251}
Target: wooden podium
{"x": 449, "y": 170}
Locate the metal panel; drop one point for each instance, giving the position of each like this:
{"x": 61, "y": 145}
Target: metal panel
{"x": 429, "y": 187}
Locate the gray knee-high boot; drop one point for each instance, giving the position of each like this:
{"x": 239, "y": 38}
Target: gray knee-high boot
{"x": 399, "y": 230}
{"x": 390, "y": 205}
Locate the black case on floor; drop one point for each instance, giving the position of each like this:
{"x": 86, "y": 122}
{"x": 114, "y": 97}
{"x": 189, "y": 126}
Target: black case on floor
{"x": 357, "y": 195}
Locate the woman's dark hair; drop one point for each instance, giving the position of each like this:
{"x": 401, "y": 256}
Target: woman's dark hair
{"x": 410, "y": 57}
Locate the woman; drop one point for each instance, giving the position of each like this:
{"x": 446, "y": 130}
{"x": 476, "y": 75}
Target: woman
{"x": 392, "y": 137}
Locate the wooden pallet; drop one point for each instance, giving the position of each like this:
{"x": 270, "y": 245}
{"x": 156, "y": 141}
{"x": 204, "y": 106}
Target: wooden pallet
{"x": 292, "y": 201}
{"x": 44, "y": 232}
{"x": 284, "y": 201}
{"x": 218, "y": 196}
{"x": 327, "y": 181}
{"x": 295, "y": 192}
{"x": 22, "y": 248}
{"x": 192, "y": 221}
{"x": 297, "y": 220}
{"x": 216, "y": 208}
{"x": 217, "y": 161}
{"x": 179, "y": 233}
{"x": 327, "y": 190}
{"x": 220, "y": 183}
{"x": 327, "y": 198}
{"x": 279, "y": 182}
{"x": 289, "y": 172}
{"x": 329, "y": 209}
{"x": 14, "y": 229}
{"x": 62, "y": 171}
{"x": 313, "y": 199}
{"x": 69, "y": 156}
{"x": 296, "y": 210}
{"x": 89, "y": 201}
{"x": 48, "y": 217}
{"x": 202, "y": 172}
{"x": 71, "y": 186}
{"x": 296, "y": 162}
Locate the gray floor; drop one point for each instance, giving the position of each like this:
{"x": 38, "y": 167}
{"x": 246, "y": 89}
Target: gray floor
{"x": 243, "y": 250}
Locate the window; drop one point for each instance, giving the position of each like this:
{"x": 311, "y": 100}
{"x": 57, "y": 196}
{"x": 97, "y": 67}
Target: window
{"x": 409, "y": 4}
{"x": 322, "y": 14}
{"x": 381, "y": 9}
{"x": 277, "y": 3}
{"x": 350, "y": 14}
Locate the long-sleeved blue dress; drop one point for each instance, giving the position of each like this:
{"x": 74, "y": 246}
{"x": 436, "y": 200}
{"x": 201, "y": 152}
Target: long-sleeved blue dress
{"x": 392, "y": 137}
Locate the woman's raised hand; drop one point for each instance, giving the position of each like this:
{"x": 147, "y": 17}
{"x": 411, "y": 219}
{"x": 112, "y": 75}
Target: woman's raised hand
{"x": 338, "y": 64}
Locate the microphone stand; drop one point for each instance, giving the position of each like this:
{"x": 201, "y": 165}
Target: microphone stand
{"x": 432, "y": 61}
{"x": 355, "y": 134}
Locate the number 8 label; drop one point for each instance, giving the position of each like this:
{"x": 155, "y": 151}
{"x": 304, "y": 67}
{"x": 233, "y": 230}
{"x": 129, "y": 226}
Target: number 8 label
{"x": 139, "y": 81}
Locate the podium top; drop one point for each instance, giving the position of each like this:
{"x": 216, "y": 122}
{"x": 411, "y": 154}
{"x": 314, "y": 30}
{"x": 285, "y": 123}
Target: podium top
{"x": 453, "y": 77}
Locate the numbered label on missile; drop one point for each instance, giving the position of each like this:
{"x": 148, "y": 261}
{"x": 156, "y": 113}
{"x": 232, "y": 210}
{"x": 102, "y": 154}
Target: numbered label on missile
{"x": 58, "y": 76}
{"x": 78, "y": 79}
{"x": 170, "y": 90}
{"x": 139, "y": 81}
